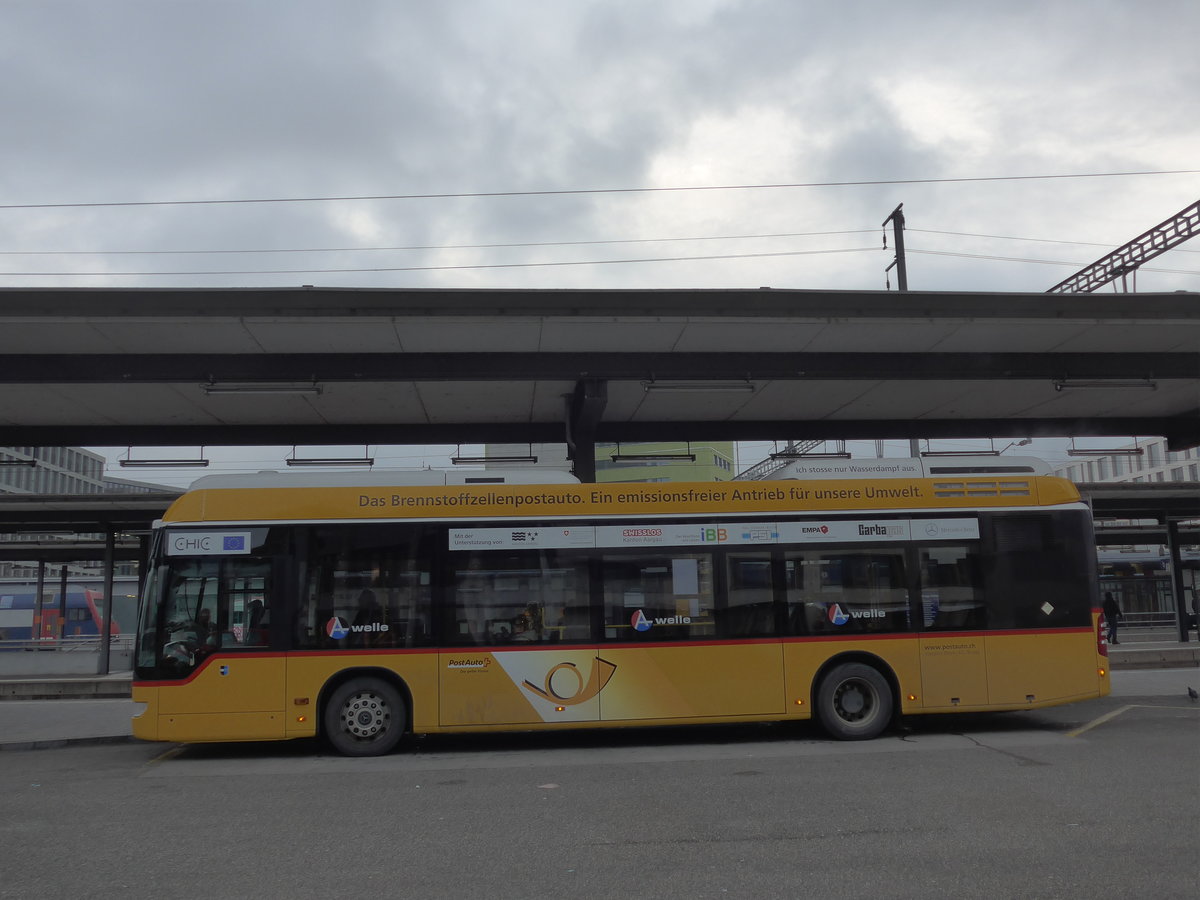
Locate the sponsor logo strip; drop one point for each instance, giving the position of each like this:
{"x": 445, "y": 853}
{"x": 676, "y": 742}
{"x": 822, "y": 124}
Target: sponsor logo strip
{"x": 718, "y": 534}
{"x": 208, "y": 543}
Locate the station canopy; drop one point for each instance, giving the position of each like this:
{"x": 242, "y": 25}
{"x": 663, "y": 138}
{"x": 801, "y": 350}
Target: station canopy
{"x": 331, "y": 366}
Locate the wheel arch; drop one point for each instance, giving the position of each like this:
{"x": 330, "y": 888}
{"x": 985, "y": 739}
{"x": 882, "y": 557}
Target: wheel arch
{"x": 859, "y": 656}
{"x": 342, "y": 676}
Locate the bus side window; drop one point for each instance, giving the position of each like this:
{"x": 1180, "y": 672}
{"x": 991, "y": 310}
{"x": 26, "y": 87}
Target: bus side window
{"x": 255, "y": 633}
{"x": 951, "y": 596}
{"x": 367, "y": 586}
{"x": 526, "y": 596}
{"x": 749, "y": 604}
{"x": 661, "y": 595}
{"x": 1040, "y": 572}
{"x": 843, "y": 591}
{"x": 245, "y": 603}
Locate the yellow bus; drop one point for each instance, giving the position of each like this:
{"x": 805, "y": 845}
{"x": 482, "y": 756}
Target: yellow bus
{"x": 361, "y": 610}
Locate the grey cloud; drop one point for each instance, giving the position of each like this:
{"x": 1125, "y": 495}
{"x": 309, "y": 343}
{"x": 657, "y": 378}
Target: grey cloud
{"x": 152, "y": 100}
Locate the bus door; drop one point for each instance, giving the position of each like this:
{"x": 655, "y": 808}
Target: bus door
{"x": 689, "y": 635}
{"x": 954, "y": 670}
{"x": 215, "y": 616}
{"x": 519, "y": 648}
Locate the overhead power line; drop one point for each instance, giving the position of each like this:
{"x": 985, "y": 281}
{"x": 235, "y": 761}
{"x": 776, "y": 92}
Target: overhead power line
{"x": 1044, "y": 262}
{"x": 585, "y": 262}
{"x": 718, "y": 237}
{"x": 1002, "y": 237}
{"x": 516, "y": 245}
{"x": 524, "y": 265}
{"x": 578, "y": 191}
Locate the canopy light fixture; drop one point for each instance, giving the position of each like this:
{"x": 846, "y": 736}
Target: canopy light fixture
{"x": 129, "y": 463}
{"x": 1112, "y": 451}
{"x": 333, "y": 461}
{"x": 687, "y": 387}
{"x": 262, "y": 388}
{"x": 163, "y": 463}
{"x": 787, "y": 454}
{"x": 1145, "y": 384}
{"x": 652, "y": 457}
{"x": 459, "y": 460}
{"x": 479, "y": 460}
{"x": 365, "y": 460}
{"x": 960, "y": 452}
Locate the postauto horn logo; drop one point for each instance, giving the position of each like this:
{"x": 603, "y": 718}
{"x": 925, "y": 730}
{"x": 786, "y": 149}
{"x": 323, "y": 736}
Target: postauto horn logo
{"x": 574, "y": 693}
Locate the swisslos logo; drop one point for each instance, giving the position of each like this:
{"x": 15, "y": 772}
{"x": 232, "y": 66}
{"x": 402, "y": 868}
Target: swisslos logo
{"x": 641, "y": 622}
{"x": 337, "y": 628}
{"x": 839, "y": 616}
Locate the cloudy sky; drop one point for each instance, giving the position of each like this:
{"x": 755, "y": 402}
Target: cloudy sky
{"x": 562, "y": 129}
{"x": 171, "y": 100}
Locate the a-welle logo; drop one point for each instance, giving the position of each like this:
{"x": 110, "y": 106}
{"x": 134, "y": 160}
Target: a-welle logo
{"x": 639, "y": 621}
{"x": 337, "y": 628}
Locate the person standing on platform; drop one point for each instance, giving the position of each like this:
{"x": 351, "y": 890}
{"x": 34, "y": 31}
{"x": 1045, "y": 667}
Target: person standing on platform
{"x": 1112, "y": 612}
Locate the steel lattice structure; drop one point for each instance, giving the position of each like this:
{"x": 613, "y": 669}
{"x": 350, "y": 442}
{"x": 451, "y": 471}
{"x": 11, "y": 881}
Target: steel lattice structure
{"x": 1127, "y": 258}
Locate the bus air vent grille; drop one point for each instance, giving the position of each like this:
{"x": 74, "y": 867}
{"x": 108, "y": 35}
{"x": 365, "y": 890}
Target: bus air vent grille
{"x": 981, "y": 489}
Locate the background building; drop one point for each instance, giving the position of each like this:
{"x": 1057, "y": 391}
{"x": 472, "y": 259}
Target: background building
{"x": 1139, "y": 575}
{"x": 58, "y": 470}
{"x": 1142, "y": 461}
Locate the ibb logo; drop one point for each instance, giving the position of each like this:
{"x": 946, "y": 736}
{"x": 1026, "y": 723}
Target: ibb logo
{"x": 639, "y": 621}
{"x": 337, "y": 628}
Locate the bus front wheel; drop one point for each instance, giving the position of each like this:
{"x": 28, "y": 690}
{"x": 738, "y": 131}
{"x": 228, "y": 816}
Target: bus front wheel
{"x": 365, "y": 717}
{"x": 854, "y": 702}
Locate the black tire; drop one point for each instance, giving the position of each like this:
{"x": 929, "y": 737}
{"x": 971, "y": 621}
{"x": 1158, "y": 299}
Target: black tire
{"x": 365, "y": 717}
{"x": 854, "y": 702}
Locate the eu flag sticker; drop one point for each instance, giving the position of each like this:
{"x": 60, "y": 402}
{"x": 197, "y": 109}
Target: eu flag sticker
{"x": 234, "y": 542}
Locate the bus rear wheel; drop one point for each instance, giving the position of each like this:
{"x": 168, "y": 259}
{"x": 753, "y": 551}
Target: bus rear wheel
{"x": 365, "y": 717}
{"x": 854, "y": 702}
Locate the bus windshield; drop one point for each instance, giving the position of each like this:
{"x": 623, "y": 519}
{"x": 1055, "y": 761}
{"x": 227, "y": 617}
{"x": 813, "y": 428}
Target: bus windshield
{"x": 196, "y": 606}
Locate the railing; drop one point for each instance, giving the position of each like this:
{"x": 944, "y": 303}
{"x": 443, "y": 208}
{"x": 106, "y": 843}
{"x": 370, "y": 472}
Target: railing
{"x": 1146, "y": 619}
{"x": 770, "y": 466}
{"x": 73, "y": 644}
